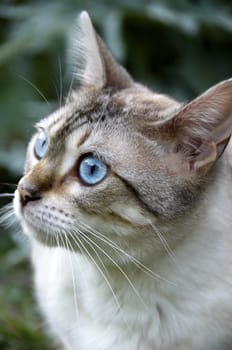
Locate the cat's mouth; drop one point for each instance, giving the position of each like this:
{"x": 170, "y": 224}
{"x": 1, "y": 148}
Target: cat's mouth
{"x": 44, "y": 221}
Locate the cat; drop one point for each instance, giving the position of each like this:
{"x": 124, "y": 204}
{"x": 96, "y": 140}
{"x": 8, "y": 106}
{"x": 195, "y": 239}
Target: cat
{"x": 127, "y": 202}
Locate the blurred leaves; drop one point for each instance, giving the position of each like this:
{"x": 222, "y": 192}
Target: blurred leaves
{"x": 178, "y": 47}
{"x": 15, "y": 334}
{"x": 20, "y": 328}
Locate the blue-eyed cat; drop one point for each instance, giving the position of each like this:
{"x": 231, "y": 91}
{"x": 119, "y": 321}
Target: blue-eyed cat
{"x": 127, "y": 201}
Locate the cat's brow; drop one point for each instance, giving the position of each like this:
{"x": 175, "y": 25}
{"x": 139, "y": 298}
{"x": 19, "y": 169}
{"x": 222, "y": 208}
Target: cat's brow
{"x": 78, "y": 120}
{"x": 70, "y": 126}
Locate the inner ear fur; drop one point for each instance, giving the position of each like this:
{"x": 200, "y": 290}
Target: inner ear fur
{"x": 202, "y": 128}
{"x": 93, "y": 64}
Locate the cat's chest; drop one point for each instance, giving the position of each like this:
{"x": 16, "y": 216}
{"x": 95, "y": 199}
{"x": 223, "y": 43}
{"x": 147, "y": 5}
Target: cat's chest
{"x": 88, "y": 310}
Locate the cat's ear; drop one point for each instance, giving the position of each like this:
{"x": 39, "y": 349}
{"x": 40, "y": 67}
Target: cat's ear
{"x": 93, "y": 64}
{"x": 203, "y": 127}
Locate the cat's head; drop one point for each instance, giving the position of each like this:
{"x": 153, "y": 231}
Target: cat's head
{"x": 117, "y": 163}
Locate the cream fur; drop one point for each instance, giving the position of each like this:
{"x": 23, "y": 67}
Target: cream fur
{"x": 190, "y": 311}
{"x": 158, "y": 273}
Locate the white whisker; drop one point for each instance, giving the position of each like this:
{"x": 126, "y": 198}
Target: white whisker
{"x": 60, "y": 82}
{"x": 137, "y": 263}
{"x": 120, "y": 269}
{"x": 69, "y": 246}
{"x": 165, "y": 244}
{"x": 2, "y": 195}
{"x": 8, "y": 184}
{"x": 70, "y": 89}
{"x": 105, "y": 274}
{"x": 95, "y": 263}
{"x": 7, "y": 215}
{"x": 34, "y": 87}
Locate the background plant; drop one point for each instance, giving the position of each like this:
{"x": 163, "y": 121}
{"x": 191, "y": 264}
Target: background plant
{"x": 178, "y": 47}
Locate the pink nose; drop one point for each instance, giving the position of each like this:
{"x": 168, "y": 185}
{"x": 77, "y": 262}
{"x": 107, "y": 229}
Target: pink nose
{"x": 27, "y": 192}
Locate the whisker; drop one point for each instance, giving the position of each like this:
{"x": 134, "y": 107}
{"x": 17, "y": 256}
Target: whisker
{"x": 60, "y": 82}
{"x": 67, "y": 244}
{"x": 8, "y": 184}
{"x": 80, "y": 247}
{"x": 102, "y": 115}
{"x": 75, "y": 237}
{"x": 34, "y": 87}
{"x": 85, "y": 253}
{"x": 104, "y": 275}
{"x": 165, "y": 244}
{"x": 137, "y": 263}
{"x": 120, "y": 269}
{"x": 6, "y": 213}
{"x": 59, "y": 277}
{"x": 21, "y": 238}
{"x": 3, "y": 195}
{"x": 56, "y": 239}
{"x": 54, "y": 83}
{"x": 70, "y": 89}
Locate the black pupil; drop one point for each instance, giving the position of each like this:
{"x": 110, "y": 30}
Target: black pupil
{"x": 93, "y": 169}
{"x": 43, "y": 143}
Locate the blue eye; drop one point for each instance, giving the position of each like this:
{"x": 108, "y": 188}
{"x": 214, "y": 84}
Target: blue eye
{"x": 41, "y": 145}
{"x": 92, "y": 170}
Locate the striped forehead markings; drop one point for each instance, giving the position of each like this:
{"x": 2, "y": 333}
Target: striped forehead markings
{"x": 78, "y": 120}
{"x": 75, "y": 122}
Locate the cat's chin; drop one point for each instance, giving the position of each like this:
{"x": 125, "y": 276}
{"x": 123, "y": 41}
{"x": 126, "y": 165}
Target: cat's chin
{"x": 42, "y": 237}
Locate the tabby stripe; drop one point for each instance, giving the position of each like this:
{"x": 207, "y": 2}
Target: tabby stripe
{"x": 133, "y": 190}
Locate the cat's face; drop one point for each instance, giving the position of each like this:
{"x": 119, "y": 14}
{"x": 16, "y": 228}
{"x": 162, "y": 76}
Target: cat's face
{"x": 118, "y": 163}
{"x": 89, "y": 168}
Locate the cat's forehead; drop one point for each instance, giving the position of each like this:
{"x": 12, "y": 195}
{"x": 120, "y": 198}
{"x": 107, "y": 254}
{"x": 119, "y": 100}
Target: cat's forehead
{"x": 142, "y": 102}
{"x": 78, "y": 107}
{"x": 124, "y": 108}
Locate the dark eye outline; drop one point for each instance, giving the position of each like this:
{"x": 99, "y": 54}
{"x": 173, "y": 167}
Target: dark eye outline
{"x": 41, "y": 138}
{"x": 93, "y": 156}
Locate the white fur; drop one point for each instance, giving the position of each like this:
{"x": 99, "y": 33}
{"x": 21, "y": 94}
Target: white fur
{"x": 190, "y": 312}
{"x": 84, "y": 54}
{"x": 179, "y": 299}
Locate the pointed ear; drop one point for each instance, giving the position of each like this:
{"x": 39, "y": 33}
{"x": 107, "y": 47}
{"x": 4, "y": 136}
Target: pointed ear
{"x": 203, "y": 127}
{"x": 93, "y": 64}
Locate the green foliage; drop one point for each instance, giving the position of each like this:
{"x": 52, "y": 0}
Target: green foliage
{"x": 20, "y": 327}
{"x": 179, "y": 47}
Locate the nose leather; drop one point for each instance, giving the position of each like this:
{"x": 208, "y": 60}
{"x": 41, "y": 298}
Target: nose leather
{"x": 27, "y": 192}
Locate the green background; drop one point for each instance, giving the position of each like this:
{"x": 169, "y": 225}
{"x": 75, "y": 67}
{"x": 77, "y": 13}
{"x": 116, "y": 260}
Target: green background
{"x": 178, "y": 47}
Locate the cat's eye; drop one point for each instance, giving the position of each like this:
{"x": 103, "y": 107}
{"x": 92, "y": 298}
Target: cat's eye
{"x": 41, "y": 145}
{"x": 92, "y": 170}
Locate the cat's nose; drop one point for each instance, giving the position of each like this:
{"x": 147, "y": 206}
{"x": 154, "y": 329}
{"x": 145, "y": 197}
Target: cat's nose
{"x": 27, "y": 192}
